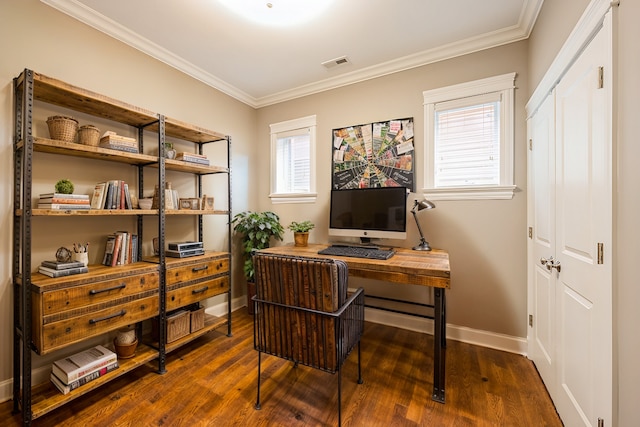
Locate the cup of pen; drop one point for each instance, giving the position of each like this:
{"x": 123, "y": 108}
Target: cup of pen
{"x": 80, "y": 253}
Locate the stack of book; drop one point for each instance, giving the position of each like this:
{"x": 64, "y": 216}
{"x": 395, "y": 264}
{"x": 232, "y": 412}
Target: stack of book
{"x": 121, "y": 249}
{"x": 65, "y": 202}
{"x": 60, "y": 269}
{"x": 118, "y": 142}
{"x": 112, "y": 194}
{"x": 74, "y": 371}
{"x": 184, "y": 249}
{"x": 200, "y": 159}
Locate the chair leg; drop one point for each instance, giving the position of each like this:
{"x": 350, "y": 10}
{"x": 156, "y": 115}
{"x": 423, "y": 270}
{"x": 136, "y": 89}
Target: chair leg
{"x": 339, "y": 397}
{"x": 257, "y": 405}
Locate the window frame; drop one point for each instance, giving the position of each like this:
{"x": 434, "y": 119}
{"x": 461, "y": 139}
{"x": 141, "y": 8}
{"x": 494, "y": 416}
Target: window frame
{"x": 308, "y": 124}
{"x": 505, "y": 86}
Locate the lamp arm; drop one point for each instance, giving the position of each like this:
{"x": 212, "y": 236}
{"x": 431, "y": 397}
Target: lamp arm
{"x": 415, "y": 217}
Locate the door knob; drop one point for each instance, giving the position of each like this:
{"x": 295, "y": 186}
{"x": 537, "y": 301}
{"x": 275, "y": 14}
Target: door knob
{"x": 547, "y": 262}
{"x": 555, "y": 265}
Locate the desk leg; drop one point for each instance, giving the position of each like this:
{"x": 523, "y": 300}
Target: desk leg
{"x": 439, "y": 344}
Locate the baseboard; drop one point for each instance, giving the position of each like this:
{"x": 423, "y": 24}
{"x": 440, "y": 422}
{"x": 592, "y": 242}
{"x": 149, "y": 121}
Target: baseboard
{"x": 464, "y": 334}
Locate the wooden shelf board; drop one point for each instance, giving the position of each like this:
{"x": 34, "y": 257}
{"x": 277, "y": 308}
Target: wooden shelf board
{"x": 46, "y": 397}
{"x": 56, "y": 92}
{"x": 45, "y": 145}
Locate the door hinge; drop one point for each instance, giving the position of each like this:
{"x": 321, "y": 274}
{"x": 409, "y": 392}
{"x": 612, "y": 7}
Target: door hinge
{"x": 600, "y": 253}
{"x": 530, "y": 144}
{"x": 600, "y": 77}
{"x": 531, "y": 232}
{"x": 531, "y": 320}
{"x": 600, "y": 422}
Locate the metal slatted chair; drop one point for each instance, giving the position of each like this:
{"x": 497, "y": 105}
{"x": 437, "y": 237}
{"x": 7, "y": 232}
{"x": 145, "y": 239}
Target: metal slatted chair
{"x": 303, "y": 313}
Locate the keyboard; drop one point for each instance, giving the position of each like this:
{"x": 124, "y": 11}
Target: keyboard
{"x": 357, "y": 252}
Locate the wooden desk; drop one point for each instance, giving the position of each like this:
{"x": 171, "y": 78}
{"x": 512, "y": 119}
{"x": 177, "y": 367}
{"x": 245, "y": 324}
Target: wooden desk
{"x": 420, "y": 268}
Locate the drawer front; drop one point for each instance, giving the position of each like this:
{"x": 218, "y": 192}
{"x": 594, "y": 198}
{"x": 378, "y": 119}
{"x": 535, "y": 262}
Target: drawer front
{"x": 59, "y": 333}
{"x": 97, "y": 293}
{"x": 197, "y": 270}
{"x": 197, "y": 292}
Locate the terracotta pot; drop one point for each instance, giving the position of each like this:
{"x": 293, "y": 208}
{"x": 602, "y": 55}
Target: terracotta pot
{"x": 125, "y": 351}
{"x": 301, "y": 239}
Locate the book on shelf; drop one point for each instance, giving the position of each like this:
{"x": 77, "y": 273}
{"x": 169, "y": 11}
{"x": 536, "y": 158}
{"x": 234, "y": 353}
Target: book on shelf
{"x": 52, "y": 272}
{"x": 108, "y": 249}
{"x": 116, "y": 250}
{"x": 64, "y": 200}
{"x": 82, "y": 364}
{"x": 64, "y": 206}
{"x": 59, "y": 265}
{"x": 66, "y": 388}
{"x": 63, "y": 196}
{"x": 193, "y": 158}
{"x": 99, "y": 193}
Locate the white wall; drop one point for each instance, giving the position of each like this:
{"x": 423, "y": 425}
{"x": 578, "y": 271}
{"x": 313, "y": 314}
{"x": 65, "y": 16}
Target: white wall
{"x": 486, "y": 239}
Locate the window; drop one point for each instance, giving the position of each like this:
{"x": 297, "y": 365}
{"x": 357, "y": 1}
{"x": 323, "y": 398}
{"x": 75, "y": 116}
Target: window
{"x": 293, "y": 161}
{"x": 469, "y": 140}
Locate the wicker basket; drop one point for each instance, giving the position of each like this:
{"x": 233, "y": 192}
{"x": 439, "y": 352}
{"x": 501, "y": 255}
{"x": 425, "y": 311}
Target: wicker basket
{"x": 89, "y": 135}
{"x": 62, "y": 128}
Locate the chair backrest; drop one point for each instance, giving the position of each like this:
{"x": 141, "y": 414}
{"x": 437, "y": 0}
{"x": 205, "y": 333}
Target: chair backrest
{"x": 286, "y": 288}
{"x": 316, "y": 283}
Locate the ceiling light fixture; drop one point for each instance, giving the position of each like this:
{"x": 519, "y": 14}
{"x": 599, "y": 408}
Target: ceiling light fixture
{"x": 277, "y": 12}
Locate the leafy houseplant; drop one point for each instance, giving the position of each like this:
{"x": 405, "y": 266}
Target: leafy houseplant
{"x": 257, "y": 229}
{"x": 301, "y": 232}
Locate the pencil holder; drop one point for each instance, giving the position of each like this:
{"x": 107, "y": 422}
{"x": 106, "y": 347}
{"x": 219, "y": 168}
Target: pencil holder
{"x": 83, "y": 257}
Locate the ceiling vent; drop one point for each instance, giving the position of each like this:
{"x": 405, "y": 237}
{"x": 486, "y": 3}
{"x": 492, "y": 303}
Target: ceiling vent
{"x": 332, "y": 63}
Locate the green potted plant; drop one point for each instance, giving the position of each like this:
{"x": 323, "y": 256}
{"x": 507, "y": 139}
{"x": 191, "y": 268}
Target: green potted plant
{"x": 301, "y": 232}
{"x": 257, "y": 229}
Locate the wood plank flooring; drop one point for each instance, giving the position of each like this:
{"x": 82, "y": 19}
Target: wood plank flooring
{"x": 212, "y": 382}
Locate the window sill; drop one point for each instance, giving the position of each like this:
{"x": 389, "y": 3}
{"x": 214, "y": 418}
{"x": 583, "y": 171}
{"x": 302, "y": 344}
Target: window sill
{"x": 471, "y": 193}
{"x": 293, "y": 198}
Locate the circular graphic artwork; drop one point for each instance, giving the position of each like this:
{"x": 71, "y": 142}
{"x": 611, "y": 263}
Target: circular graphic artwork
{"x": 374, "y": 155}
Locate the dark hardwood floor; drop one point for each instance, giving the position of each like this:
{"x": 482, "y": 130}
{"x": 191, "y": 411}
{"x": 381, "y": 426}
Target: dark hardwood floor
{"x": 212, "y": 382}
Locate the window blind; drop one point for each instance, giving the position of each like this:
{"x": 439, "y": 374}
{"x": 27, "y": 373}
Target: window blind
{"x": 293, "y": 157}
{"x": 467, "y": 142}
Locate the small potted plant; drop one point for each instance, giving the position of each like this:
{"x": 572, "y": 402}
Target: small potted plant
{"x": 257, "y": 229}
{"x": 301, "y": 232}
{"x": 169, "y": 151}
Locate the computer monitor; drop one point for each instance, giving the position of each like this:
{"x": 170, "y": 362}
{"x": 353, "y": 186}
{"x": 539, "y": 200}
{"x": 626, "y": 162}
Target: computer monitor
{"x": 369, "y": 213}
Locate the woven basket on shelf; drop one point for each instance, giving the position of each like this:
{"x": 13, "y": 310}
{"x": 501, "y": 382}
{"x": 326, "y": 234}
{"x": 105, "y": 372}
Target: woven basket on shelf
{"x": 89, "y": 135}
{"x": 62, "y": 128}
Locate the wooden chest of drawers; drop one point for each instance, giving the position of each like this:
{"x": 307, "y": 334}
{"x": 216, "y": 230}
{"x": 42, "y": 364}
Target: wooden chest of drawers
{"x": 71, "y": 309}
{"x": 190, "y": 280}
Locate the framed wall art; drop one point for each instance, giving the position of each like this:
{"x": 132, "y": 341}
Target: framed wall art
{"x": 379, "y": 154}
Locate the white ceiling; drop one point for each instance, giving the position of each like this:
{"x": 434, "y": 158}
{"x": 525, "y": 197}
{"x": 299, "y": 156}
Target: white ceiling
{"x": 262, "y": 65}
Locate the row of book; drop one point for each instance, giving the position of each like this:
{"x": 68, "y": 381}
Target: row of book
{"x": 79, "y": 369}
{"x": 112, "y": 194}
{"x": 121, "y": 248}
{"x": 60, "y": 201}
{"x": 60, "y": 269}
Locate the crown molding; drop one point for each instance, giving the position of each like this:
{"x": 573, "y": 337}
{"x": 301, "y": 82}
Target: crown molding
{"x": 88, "y": 16}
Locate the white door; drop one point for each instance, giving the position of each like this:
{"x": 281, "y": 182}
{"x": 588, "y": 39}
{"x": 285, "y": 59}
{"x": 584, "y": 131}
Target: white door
{"x": 570, "y": 214}
{"x": 583, "y": 236}
{"x": 542, "y": 297}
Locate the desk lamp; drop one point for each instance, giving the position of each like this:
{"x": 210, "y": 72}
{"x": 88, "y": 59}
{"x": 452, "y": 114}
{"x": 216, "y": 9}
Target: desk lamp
{"x": 418, "y": 206}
